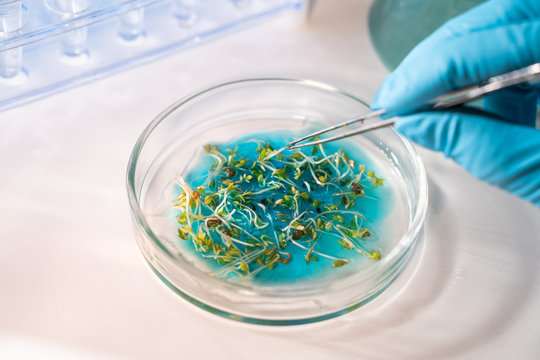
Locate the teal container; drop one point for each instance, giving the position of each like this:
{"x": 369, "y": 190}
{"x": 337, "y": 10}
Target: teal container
{"x": 396, "y": 26}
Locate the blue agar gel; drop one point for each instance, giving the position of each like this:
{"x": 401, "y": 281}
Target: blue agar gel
{"x": 375, "y": 207}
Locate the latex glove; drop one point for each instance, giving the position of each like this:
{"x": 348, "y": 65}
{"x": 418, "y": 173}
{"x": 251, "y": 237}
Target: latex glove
{"x": 499, "y": 145}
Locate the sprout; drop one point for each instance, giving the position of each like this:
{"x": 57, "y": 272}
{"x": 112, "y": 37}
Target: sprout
{"x": 252, "y": 207}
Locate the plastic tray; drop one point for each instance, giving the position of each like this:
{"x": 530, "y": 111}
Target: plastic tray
{"x": 48, "y": 45}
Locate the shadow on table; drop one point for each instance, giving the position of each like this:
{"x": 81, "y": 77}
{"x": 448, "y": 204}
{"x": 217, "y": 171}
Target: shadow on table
{"x": 473, "y": 280}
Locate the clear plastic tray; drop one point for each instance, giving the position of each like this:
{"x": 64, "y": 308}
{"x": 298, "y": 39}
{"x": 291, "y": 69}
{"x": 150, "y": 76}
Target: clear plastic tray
{"x": 48, "y": 45}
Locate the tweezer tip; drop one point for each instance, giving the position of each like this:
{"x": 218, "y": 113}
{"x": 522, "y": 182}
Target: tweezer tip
{"x": 292, "y": 145}
{"x": 296, "y": 146}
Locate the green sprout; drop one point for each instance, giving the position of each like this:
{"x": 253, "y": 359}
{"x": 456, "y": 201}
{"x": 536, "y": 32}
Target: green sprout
{"x": 250, "y": 210}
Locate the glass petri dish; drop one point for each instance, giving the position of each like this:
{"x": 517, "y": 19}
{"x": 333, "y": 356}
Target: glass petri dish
{"x": 171, "y": 144}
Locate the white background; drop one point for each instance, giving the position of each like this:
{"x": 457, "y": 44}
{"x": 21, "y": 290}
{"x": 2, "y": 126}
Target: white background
{"x": 74, "y": 286}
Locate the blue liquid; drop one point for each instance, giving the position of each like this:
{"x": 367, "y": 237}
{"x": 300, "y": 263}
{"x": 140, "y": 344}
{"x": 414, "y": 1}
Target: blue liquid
{"x": 375, "y": 207}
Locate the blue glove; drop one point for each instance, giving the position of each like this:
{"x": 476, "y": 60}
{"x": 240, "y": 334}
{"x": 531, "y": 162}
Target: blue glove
{"x": 499, "y": 144}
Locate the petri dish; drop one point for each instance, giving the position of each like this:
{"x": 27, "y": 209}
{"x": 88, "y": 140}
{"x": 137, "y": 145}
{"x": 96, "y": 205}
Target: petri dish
{"x": 171, "y": 145}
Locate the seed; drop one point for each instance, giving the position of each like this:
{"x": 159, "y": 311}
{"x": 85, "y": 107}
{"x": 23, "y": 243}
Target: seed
{"x": 230, "y": 172}
{"x": 345, "y": 182}
{"x": 297, "y": 234}
{"x": 213, "y": 222}
{"x": 357, "y": 189}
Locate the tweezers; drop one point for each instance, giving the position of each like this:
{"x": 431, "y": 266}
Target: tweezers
{"x": 529, "y": 74}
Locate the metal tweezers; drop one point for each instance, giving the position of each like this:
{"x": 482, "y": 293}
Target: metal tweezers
{"x": 529, "y": 74}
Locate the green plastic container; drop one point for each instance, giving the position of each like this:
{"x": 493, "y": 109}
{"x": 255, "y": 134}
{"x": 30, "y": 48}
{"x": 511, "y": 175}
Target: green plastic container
{"x": 396, "y": 26}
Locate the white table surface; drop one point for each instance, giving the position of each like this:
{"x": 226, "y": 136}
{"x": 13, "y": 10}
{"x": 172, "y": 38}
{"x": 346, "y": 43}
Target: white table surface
{"x": 73, "y": 284}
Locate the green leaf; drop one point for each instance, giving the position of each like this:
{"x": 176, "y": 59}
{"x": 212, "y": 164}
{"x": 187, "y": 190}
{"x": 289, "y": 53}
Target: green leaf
{"x": 375, "y": 255}
{"x": 340, "y": 262}
{"x": 243, "y": 266}
{"x": 297, "y": 156}
{"x": 328, "y": 225}
{"x": 347, "y": 245}
{"x": 182, "y": 235}
{"x": 310, "y": 257}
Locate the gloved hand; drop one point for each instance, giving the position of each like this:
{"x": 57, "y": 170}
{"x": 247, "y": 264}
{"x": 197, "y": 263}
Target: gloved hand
{"x": 500, "y": 144}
